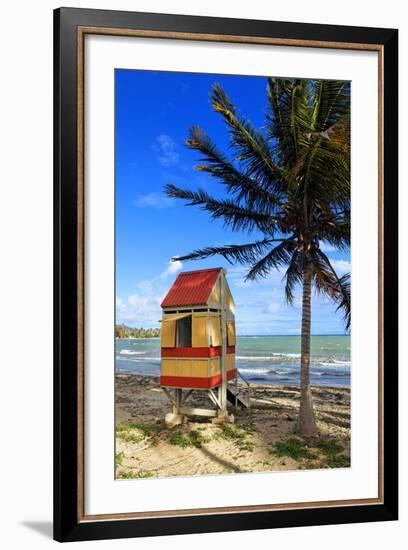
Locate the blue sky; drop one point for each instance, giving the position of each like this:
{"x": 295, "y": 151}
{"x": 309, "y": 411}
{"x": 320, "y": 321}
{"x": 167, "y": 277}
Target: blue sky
{"x": 154, "y": 111}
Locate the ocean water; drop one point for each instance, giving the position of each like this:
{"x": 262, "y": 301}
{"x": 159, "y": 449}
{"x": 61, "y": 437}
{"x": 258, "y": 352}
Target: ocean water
{"x": 260, "y": 359}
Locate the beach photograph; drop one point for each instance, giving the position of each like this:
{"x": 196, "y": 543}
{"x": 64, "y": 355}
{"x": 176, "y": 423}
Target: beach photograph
{"x": 233, "y": 274}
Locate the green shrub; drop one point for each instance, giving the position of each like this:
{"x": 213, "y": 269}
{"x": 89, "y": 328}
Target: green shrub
{"x": 238, "y": 435}
{"x": 136, "y": 433}
{"x": 118, "y": 459}
{"x": 337, "y": 461}
{"x": 292, "y": 448}
{"x": 330, "y": 446}
{"x": 135, "y": 475}
{"x": 195, "y": 438}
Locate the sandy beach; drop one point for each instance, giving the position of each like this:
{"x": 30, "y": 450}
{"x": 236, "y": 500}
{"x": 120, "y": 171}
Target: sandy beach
{"x": 261, "y": 439}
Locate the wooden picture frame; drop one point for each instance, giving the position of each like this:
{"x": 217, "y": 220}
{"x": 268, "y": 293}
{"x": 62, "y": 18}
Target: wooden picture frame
{"x": 70, "y": 27}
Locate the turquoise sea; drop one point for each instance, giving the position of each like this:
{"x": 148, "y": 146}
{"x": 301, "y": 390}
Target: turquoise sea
{"x": 260, "y": 359}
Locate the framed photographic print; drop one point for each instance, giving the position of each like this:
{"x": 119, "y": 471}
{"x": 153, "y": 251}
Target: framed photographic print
{"x": 225, "y": 274}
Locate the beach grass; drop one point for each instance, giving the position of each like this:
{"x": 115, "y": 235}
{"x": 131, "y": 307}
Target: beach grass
{"x": 337, "y": 461}
{"x": 333, "y": 451}
{"x": 136, "y": 432}
{"x": 127, "y": 474}
{"x": 294, "y": 448}
{"x": 238, "y": 434}
{"x": 330, "y": 447}
{"x": 194, "y": 438}
{"x": 327, "y": 453}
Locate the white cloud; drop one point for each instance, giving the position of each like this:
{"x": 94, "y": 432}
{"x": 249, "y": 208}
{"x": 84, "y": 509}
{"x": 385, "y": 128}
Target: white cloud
{"x": 142, "y": 308}
{"x": 154, "y": 200}
{"x": 120, "y": 308}
{"x": 139, "y": 309}
{"x": 326, "y": 247}
{"x": 166, "y": 150}
{"x": 172, "y": 268}
{"x": 237, "y": 277}
{"x": 341, "y": 266}
{"x": 241, "y": 282}
{"x": 272, "y": 307}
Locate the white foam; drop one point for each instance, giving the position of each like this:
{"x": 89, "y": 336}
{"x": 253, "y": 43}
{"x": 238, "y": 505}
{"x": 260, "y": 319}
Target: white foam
{"x": 255, "y": 371}
{"x": 253, "y": 357}
{"x": 143, "y": 359}
{"x": 130, "y": 352}
{"x": 334, "y": 364}
{"x": 272, "y": 356}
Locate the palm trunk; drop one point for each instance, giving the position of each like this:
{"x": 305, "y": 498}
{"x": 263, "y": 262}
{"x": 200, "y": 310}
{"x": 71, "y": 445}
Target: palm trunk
{"x": 306, "y": 424}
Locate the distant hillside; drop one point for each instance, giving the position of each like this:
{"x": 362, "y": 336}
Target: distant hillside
{"x": 122, "y": 331}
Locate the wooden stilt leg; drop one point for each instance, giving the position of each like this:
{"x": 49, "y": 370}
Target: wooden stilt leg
{"x": 175, "y": 418}
{"x": 178, "y": 400}
{"x": 223, "y": 413}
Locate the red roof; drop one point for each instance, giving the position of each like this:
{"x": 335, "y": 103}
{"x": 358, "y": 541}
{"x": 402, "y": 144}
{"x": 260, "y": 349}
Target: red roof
{"x": 191, "y": 288}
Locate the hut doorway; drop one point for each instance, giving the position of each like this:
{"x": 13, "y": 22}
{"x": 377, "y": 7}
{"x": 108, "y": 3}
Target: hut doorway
{"x": 183, "y": 332}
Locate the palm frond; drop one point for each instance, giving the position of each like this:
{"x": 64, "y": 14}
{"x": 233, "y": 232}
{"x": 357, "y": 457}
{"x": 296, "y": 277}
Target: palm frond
{"x": 241, "y": 253}
{"x": 237, "y": 181}
{"x": 338, "y": 288}
{"x": 288, "y": 118}
{"x": 335, "y": 231}
{"x": 331, "y": 103}
{"x": 278, "y": 257}
{"x": 293, "y": 275}
{"x": 252, "y": 149}
{"x": 278, "y": 120}
{"x": 324, "y": 177}
{"x": 236, "y": 216}
{"x": 345, "y": 299}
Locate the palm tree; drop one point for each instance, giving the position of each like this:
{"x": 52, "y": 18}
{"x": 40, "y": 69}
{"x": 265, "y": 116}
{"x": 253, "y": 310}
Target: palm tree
{"x": 289, "y": 184}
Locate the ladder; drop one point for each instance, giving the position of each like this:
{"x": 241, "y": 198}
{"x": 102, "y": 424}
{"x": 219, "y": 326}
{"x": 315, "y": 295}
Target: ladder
{"x": 235, "y": 397}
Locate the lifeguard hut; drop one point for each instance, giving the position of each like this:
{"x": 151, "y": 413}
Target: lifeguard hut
{"x": 198, "y": 344}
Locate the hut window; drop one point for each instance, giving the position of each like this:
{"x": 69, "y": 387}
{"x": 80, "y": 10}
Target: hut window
{"x": 215, "y": 331}
{"x": 168, "y": 331}
{"x": 231, "y": 333}
{"x": 183, "y": 332}
{"x": 200, "y": 337}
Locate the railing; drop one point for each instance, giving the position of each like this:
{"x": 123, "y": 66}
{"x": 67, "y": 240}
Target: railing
{"x": 248, "y": 390}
